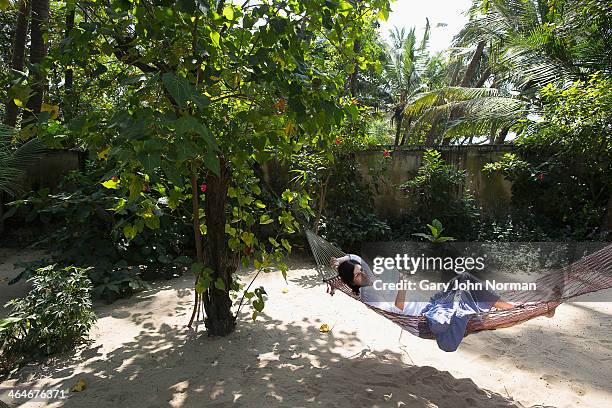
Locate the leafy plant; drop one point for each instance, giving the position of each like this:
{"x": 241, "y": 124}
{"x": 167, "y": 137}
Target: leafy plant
{"x": 54, "y": 316}
{"x": 438, "y": 191}
{"x": 435, "y": 234}
{"x": 15, "y": 157}
{"x": 561, "y": 171}
{"x": 77, "y": 227}
{"x": 349, "y": 219}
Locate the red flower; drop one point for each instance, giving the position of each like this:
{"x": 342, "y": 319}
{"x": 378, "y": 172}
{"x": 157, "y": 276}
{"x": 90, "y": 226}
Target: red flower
{"x": 203, "y": 187}
{"x": 338, "y": 141}
{"x": 540, "y": 176}
{"x": 386, "y": 153}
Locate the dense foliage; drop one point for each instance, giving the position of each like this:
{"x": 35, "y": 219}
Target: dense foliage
{"x": 54, "y": 316}
{"x": 439, "y": 191}
{"x": 180, "y": 107}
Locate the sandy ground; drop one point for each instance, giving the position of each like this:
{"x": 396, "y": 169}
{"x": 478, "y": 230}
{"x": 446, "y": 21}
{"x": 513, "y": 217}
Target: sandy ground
{"x": 141, "y": 355}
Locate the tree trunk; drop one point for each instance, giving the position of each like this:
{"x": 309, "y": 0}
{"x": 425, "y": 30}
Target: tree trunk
{"x": 398, "y": 122}
{"x": 1, "y": 213}
{"x": 471, "y": 69}
{"x": 501, "y": 137}
{"x": 18, "y": 57}
{"x": 322, "y": 192}
{"x": 430, "y": 138}
{"x": 69, "y": 74}
{"x": 217, "y": 302}
{"x": 607, "y": 221}
{"x": 406, "y": 133}
{"x": 38, "y": 53}
{"x": 197, "y": 234}
{"x": 483, "y": 78}
{"x": 353, "y": 77}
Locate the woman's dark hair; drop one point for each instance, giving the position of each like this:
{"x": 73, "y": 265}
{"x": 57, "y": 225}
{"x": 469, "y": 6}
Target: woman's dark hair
{"x": 345, "y": 270}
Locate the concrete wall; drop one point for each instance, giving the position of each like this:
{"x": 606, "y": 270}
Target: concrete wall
{"x": 49, "y": 170}
{"x": 492, "y": 191}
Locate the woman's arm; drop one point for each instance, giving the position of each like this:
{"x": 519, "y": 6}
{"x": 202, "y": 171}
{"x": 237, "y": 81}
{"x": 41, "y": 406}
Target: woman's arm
{"x": 337, "y": 261}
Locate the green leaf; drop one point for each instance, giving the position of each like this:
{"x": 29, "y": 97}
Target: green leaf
{"x": 285, "y": 244}
{"x": 150, "y": 161}
{"x": 8, "y": 322}
{"x": 438, "y": 225}
{"x": 111, "y": 184}
{"x": 197, "y": 268}
{"x": 258, "y": 304}
{"x": 189, "y": 125}
{"x": 180, "y": 89}
{"x": 152, "y": 222}
{"x": 248, "y": 237}
{"x": 211, "y": 161}
{"x": 219, "y": 284}
{"x": 172, "y": 172}
{"x": 383, "y": 14}
{"x": 129, "y": 231}
{"x": 215, "y": 37}
{"x": 228, "y": 12}
{"x": 119, "y": 206}
{"x": 201, "y": 286}
{"x": 265, "y": 219}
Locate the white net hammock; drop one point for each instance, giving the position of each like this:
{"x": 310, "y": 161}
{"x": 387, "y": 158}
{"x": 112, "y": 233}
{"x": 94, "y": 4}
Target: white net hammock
{"x": 589, "y": 274}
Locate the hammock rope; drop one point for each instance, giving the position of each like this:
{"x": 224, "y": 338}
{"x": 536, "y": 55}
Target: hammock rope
{"x": 589, "y": 274}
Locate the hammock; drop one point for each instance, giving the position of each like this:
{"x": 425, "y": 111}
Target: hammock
{"x": 589, "y": 274}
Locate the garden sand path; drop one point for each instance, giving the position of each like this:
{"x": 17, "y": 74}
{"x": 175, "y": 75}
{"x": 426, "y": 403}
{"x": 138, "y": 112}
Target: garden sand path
{"x": 141, "y": 355}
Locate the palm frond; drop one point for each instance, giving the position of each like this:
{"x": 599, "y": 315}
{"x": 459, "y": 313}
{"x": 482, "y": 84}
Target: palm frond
{"x": 439, "y": 98}
{"x": 15, "y": 158}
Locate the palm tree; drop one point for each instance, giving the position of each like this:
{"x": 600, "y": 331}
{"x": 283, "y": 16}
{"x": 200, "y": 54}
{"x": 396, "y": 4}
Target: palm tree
{"x": 522, "y": 45}
{"x": 406, "y": 62}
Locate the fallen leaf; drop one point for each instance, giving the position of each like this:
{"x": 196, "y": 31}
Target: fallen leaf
{"x": 79, "y": 386}
{"x": 285, "y": 290}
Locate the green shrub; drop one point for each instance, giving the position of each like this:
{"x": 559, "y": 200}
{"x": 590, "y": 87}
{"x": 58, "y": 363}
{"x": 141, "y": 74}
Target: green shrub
{"x": 54, "y": 316}
{"x": 438, "y": 191}
{"x": 78, "y": 228}
{"x": 349, "y": 218}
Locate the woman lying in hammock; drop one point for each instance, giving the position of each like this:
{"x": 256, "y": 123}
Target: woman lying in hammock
{"x": 447, "y": 312}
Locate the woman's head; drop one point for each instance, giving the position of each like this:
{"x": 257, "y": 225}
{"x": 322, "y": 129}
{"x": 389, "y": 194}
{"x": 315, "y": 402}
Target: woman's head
{"x": 351, "y": 274}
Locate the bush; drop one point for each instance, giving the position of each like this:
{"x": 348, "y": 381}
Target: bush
{"x": 54, "y": 316}
{"x": 77, "y": 228}
{"x": 349, "y": 218}
{"x": 562, "y": 169}
{"x": 438, "y": 192}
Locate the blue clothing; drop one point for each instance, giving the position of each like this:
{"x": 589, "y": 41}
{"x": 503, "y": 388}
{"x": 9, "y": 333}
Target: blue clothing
{"x": 447, "y": 312}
